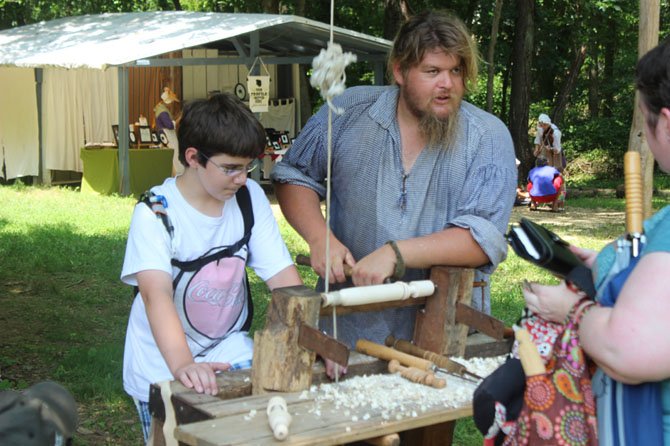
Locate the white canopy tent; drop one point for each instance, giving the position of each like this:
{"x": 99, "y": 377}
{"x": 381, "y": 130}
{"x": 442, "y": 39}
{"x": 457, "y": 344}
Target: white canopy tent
{"x": 66, "y": 81}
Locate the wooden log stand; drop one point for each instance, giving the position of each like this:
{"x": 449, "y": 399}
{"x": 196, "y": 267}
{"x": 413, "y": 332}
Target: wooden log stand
{"x": 281, "y": 365}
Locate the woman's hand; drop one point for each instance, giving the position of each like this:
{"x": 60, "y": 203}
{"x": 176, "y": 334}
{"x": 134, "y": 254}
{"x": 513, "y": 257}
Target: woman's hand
{"x": 550, "y": 302}
{"x": 201, "y": 376}
{"x": 588, "y": 256}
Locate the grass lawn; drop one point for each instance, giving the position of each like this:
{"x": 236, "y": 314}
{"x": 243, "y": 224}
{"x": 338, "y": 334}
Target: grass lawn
{"x": 64, "y": 309}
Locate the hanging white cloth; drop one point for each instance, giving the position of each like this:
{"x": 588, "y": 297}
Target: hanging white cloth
{"x": 77, "y": 106}
{"x": 19, "y": 132}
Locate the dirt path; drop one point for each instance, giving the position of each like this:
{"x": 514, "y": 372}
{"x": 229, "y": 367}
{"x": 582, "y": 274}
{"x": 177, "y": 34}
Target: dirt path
{"x": 572, "y": 217}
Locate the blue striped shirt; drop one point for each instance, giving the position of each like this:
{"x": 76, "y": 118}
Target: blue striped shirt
{"x": 373, "y": 200}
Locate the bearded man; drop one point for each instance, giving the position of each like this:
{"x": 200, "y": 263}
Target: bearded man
{"x": 419, "y": 176}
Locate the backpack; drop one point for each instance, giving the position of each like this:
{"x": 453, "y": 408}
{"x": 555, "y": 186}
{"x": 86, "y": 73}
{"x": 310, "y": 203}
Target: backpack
{"x": 203, "y": 338}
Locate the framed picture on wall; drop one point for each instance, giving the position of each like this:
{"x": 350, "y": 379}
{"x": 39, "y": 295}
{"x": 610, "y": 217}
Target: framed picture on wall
{"x": 145, "y": 134}
{"x": 115, "y": 132}
{"x": 154, "y": 138}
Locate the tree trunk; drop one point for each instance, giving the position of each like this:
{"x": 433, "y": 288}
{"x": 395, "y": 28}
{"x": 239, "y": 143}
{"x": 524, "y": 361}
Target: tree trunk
{"x": 569, "y": 84}
{"x": 521, "y": 82}
{"x": 594, "y": 82}
{"x": 611, "y": 48}
{"x": 491, "y": 53}
{"x": 270, "y": 6}
{"x": 648, "y": 39}
{"x": 395, "y": 13}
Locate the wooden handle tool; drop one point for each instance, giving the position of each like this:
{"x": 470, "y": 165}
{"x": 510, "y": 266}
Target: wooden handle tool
{"x": 440, "y": 361}
{"x": 304, "y": 260}
{"x": 415, "y": 375}
{"x": 382, "y": 352}
{"x": 634, "y": 211}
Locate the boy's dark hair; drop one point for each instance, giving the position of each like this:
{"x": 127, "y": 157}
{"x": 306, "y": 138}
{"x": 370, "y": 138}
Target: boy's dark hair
{"x": 220, "y": 124}
{"x": 431, "y": 30}
{"x": 652, "y": 80}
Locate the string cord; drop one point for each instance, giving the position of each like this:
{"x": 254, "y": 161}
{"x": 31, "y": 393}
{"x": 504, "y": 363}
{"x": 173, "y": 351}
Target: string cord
{"x": 328, "y": 75}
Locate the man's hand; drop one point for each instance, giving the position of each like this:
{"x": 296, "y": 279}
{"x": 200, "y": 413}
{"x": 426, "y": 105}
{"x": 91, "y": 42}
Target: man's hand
{"x": 201, "y": 376}
{"x": 376, "y": 267}
{"x": 339, "y": 256}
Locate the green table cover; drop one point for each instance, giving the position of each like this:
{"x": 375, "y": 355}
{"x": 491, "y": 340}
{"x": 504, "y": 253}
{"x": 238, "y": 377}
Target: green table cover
{"x": 148, "y": 167}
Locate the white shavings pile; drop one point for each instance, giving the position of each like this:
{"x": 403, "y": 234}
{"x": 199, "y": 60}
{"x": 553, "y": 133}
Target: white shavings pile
{"x": 393, "y": 397}
{"x": 481, "y": 366}
{"x": 388, "y": 396}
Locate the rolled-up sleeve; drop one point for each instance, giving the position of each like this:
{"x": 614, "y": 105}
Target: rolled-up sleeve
{"x": 488, "y": 194}
{"x": 303, "y": 164}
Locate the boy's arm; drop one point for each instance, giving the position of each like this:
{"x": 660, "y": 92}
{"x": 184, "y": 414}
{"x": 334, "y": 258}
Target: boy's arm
{"x": 289, "y": 276}
{"x": 156, "y": 290}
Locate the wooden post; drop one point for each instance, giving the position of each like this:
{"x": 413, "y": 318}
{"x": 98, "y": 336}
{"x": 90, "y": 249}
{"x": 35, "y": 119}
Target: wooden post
{"x": 279, "y": 363}
{"x": 436, "y": 328}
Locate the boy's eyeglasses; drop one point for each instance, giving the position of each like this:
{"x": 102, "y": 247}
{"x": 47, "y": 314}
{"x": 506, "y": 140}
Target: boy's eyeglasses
{"x": 232, "y": 170}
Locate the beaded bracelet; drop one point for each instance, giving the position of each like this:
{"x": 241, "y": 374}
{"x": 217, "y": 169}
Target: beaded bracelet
{"x": 578, "y": 310}
{"x": 399, "y": 272}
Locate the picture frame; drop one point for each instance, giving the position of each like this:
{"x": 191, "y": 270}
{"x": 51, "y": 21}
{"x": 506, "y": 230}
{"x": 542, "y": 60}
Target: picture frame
{"x": 164, "y": 139}
{"x": 115, "y": 132}
{"x": 154, "y": 138}
{"x": 132, "y": 138}
{"x": 284, "y": 138}
{"x": 145, "y": 134}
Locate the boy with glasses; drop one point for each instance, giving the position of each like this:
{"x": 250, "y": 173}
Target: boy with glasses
{"x": 187, "y": 252}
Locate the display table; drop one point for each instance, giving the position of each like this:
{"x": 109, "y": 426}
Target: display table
{"x": 147, "y": 168}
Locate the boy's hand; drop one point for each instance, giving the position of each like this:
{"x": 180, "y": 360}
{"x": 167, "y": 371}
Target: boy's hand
{"x": 201, "y": 376}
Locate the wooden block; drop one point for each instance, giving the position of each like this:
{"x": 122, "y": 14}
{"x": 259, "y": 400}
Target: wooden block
{"x": 436, "y": 328}
{"x": 279, "y": 363}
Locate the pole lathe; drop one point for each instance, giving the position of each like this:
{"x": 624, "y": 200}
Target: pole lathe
{"x": 387, "y": 292}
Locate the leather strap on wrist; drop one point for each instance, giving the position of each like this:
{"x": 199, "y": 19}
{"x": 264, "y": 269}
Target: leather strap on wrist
{"x": 399, "y": 271}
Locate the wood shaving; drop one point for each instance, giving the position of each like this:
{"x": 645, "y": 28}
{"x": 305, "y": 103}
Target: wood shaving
{"x": 390, "y": 396}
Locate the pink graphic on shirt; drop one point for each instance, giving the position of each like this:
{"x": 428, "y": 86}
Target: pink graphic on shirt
{"x": 215, "y": 297}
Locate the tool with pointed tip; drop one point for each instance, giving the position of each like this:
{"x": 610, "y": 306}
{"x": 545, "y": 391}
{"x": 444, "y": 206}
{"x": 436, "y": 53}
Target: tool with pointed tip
{"x": 440, "y": 361}
{"x": 387, "y": 353}
{"x": 415, "y": 375}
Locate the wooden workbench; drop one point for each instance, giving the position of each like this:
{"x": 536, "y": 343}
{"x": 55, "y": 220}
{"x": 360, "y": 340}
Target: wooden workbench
{"x": 233, "y": 424}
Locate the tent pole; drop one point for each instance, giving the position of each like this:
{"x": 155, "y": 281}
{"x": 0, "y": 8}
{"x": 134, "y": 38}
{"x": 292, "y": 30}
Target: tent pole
{"x": 124, "y": 157}
{"x": 43, "y": 176}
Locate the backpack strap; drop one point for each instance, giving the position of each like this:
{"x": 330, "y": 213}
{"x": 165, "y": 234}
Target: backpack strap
{"x": 244, "y": 202}
{"x": 158, "y": 204}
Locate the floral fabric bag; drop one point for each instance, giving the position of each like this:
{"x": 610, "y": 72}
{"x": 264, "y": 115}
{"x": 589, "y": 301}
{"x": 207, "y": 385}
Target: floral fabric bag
{"x": 558, "y": 406}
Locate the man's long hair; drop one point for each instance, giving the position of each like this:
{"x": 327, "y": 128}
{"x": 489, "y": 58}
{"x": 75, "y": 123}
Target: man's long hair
{"x": 435, "y": 30}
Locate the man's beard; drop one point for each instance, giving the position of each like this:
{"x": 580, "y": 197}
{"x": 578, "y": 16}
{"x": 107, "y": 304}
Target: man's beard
{"x": 439, "y": 132}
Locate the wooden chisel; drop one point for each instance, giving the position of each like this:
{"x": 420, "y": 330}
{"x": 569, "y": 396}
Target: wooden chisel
{"x": 387, "y": 353}
{"x": 441, "y": 362}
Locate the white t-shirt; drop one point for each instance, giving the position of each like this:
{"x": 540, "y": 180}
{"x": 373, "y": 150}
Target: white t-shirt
{"x": 150, "y": 247}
